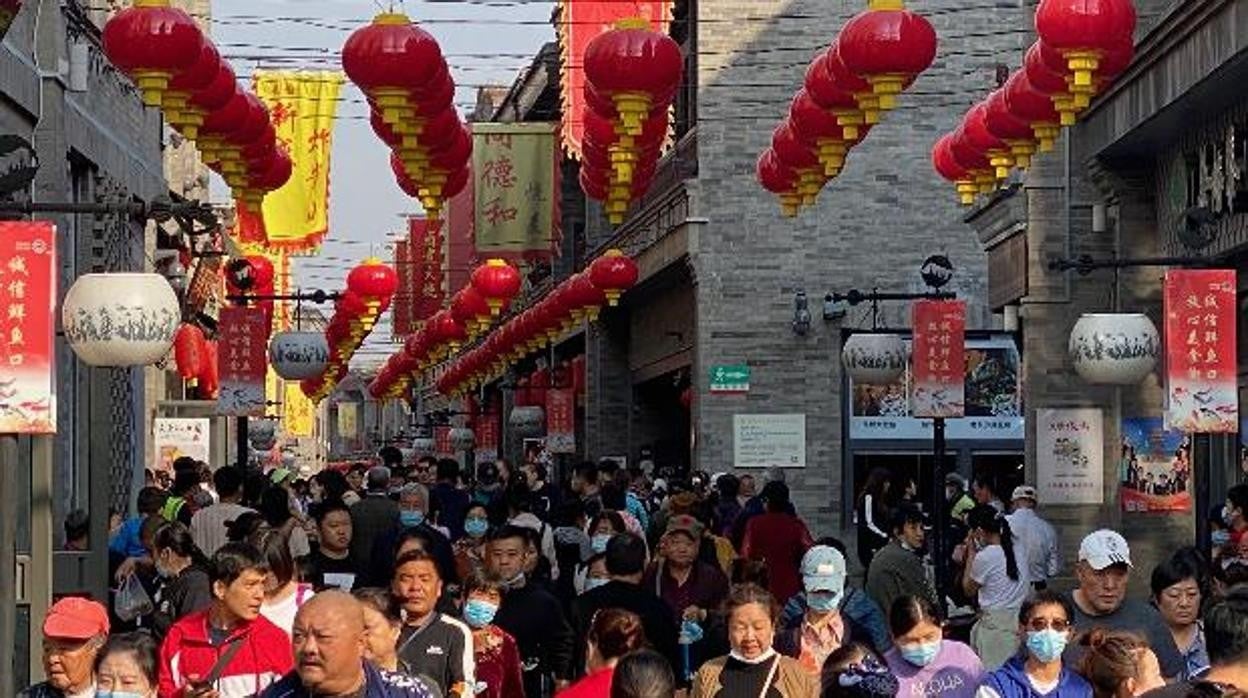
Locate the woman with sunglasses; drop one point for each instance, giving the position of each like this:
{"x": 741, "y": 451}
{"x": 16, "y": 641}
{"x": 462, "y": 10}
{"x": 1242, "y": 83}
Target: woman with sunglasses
{"x": 1044, "y": 625}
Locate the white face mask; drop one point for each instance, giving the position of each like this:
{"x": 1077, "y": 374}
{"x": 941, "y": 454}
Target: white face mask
{"x": 771, "y": 652}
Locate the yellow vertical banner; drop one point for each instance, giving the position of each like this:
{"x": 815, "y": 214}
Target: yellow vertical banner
{"x": 299, "y": 412}
{"x": 347, "y": 420}
{"x": 302, "y": 106}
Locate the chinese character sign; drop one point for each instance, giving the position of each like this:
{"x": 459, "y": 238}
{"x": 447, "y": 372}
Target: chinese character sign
{"x": 402, "y": 315}
{"x": 515, "y": 189}
{"x": 486, "y": 430}
{"x": 175, "y": 438}
{"x": 298, "y": 412}
{"x": 1070, "y": 456}
{"x": 243, "y": 361}
{"x": 1154, "y": 467}
{"x": 560, "y": 420}
{"x": 1201, "y": 366}
{"x": 425, "y": 253}
{"x": 28, "y": 273}
{"x": 442, "y": 447}
{"x": 939, "y": 357}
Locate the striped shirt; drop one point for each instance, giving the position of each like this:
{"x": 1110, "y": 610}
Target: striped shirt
{"x": 208, "y": 525}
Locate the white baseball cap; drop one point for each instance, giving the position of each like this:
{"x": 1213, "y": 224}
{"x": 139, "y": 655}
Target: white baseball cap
{"x": 1104, "y": 548}
{"x": 1024, "y": 492}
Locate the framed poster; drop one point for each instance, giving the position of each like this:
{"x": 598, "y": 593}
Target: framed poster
{"x": 769, "y": 440}
{"x": 1154, "y": 467}
{"x": 1070, "y": 455}
{"x": 175, "y": 438}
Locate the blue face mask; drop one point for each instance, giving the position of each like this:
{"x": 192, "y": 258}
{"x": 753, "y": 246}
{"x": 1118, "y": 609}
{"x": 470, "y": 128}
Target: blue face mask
{"x": 411, "y": 518}
{"x": 921, "y": 654}
{"x": 1220, "y": 538}
{"x": 476, "y": 527}
{"x": 822, "y": 601}
{"x": 479, "y": 613}
{"x": 599, "y": 542}
{"x": 1046, "y": 645}
{"x": 592, "y": 583}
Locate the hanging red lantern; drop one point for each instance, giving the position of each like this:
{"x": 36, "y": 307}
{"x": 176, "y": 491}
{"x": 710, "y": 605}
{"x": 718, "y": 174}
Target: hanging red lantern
{"x": 1033, "y": 108}
{"x": 214, "y": 96}
{"x": 947, "y": 166}
{"x": 447, "y": 331}
{"x": 351, "y": 305}
{"x": 275, "y": 176}
{"x": 779, "y": 179}
{"x": 614, "y": 273}
{"x": 181, "y": 114}
{"x": 635, "y": 67}
{"x": 262, "y": 274}
{"x": 799, "y": 156}
{"x": 387, "y": 59}
{"x": 1113, "y": 63}
{"x": 1083, "y": 31}
{"x": 825, "y": 91}
{"x": 373, "y": 280}
{"x": 586, "y": 297}
{"x": 973, "y": 160}
{"x": 470, "y": 308}
{"x": 847, "y": 80}
{"x": 498, "y": 283}
{"x": 888, "y": 46}
{"x": 209, "y": 375}
{"x": 1016, "y": 133}
{"x": 819, "y": 127}
{"x": 188, "y": 352}
{"x": 1045, "y": 81}
{"x": 977, "y": 135}
{"x": 152, "y": 42}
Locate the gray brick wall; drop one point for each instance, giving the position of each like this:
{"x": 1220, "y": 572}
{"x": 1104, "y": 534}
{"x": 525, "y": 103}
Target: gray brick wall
{"x": 871, "y": 228}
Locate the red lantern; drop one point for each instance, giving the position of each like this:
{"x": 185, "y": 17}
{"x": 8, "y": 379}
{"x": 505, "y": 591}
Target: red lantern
{"x": 977, "y": 135}
{"x": 373, "y": 280}
{"x": 469, "y": 307}
{"x": 798, "y": 156}
{"x": 1044, "y": 80}
{"x": 152, "y": 42}
{"x": 1016, "y": 133}
{"x": 947, "y": 166}
{"x": 209, "y": 375}
{"x": 350, "y": 305}
{"x": 847, "y": 80}
{"x": 262, "y": 273}
{"x": 614, "y": 273}
{"x": 586, "y": 298}
{"x": 819, "y": 127}
{"x": 888, "y": 46}
{"x": 825, "y": 92}
{"x": 188, "y": 352}
{"x": 445, "y": 329}
{"x": 388, "y": 58}
{"x": 973, "y": 160}
{"x": 498, "y": 283}
{"x": 1083, "y": 31}
{"x": 1033, "y": 108}
{"x": 180, "y": 112}
{"x": 780, "y": 179}
{"x": 274, "y": 176}
{"x": 635, "y": 67}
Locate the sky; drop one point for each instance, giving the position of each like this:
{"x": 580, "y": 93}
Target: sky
{"x": 484, "y": 41}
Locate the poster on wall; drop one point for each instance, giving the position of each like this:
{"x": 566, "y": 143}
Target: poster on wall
{"x": 1201, "y": 371}
{"x": 1154, "y": 467}
{"x": 769, "y": 440}
{"x": 939, "y": 359}
{"x": 28, "y": 273}
{"x": 243, "y": 361}
{"x": 1070, "y": 456}
{"x": 175, "y": 438}
{"x": 993, "y": 400}
{"x": 560, "y": 420}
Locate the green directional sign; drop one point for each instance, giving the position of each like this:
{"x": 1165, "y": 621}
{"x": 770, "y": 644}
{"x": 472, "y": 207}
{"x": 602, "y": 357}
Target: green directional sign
{"x": 730, "y": 379}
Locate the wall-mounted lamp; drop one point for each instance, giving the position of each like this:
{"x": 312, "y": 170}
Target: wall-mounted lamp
{"x": 833, "y": 309}
{"x": 801, "y": 314}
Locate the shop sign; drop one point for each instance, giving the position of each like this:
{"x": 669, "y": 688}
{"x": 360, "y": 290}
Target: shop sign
{"x": 939, "y": 359}
{"x": 1070, "y": 456}
{"x": 993, "y": 401}
{"x": 487, "y": 431}
{"x": 1154, "y": 467}
{"x": 1201, "y": 385}
{"x": 730, "y": 379}
{"x": 560, "y": 420}
{"x": 769, "y": 440}
{"x": 175, "y": 438}
{"x": 28, "y": 275}
{"x": 242, "y": 361}
{"x": 442, "y": 447}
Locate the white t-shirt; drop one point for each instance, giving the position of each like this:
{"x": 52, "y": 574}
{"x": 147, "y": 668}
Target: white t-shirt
{"x": 1042, "y": 689}
{"x": 282, "y": 613}
{"x": 996, "y": 590}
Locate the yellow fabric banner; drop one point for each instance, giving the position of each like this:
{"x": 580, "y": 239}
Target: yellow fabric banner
{"x": 300, "y": 413}
{"x": 302, "y": 106}
{"x": 347, "y": 422}
{"x": 513, "y": 168}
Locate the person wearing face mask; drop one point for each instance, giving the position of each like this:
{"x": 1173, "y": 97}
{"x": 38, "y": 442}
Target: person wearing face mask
{"x": 73, "y": 632}
{"x": 185, "y": 586}
{"x": 625, "y": 561}
{"x": 752, "y": 667}
{"x": 432, "y": 644}
{"x": 1037, "y": 671}
{"x": 1119, "y": 664}
{"x": 494, "y": 651}
{"x": 126, "y": 667}
{"x": 470, "y": 548}
{"x": 897, "y": 569}
{"x": 864, "y": 621}
{"x": 602, "y": 527}
{"x": 925, "y": 663}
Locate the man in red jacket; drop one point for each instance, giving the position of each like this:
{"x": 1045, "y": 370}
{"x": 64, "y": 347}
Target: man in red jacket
{"x": 227, "y": 650}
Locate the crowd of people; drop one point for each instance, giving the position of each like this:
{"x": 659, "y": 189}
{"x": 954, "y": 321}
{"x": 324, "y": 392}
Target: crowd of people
{"x": 417, "y": 579}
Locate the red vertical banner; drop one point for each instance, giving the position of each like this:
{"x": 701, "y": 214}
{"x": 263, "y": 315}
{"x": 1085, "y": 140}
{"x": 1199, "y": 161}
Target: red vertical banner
{"x": 442, "y": 442}
{"x": 939, "y": 357}
{"x": 487, "y": 436}
{"x": 560, "y": 420}
{"x": 402, "y": 304}
{"x": 426, "y": 250}
{"x": 460, "y": 253}
{"x": 28, "y": 275}
{"x": 242, "y": 361}
{"x": 1201, "y": 366}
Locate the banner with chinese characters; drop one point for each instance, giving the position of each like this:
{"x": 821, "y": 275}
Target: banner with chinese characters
{"x": 174, "y": 438}
{"x": 242, "y": 359}
{"x": 1201, "y": 393}
{"x": 442, "y": 442}
{"x": 302, "y": 106}
{"x": 28, "y": 273}
{"x": 426, "y": 256}
{"x": 486, "y": 430}
{"x": 1070, "y": 455}
{"x": 939, "y": 359}
{"x": 1154, "y": 467}
{"x": 516, "y": 188}
{"x": 298, "y": 412}
{"x": 579, "y": 22}
{"x": 402, "y": 304}
{"x": 560, "y": 420}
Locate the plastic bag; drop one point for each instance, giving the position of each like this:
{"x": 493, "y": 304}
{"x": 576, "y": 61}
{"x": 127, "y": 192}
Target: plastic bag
{"x": 132, "y": 600}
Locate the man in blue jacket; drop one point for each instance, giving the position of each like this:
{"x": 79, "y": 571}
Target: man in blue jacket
{"x": 826, "y": 603}
{"x": 328, "y": 642}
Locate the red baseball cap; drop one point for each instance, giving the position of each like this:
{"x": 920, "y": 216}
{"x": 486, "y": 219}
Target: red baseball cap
{"x": 75, "y": 618}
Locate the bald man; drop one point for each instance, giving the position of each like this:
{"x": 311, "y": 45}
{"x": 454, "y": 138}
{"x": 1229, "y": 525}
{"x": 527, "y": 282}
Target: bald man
{"x": 328, "y": 643}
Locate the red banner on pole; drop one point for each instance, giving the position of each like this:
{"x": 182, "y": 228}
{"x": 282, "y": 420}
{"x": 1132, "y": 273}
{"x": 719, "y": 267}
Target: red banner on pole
{"x": 426, "y": 251}
{"x": 28, "y": 274}
{"x": 402, "y": 303}
{"x": 442, "y": 442}
{"x": 1201, "y": 366}
{"x": 560, "y": 420}
{"x": 939, "y": 359}
{"x": 242, "y": 361}
{"x": 487, "y": 430}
